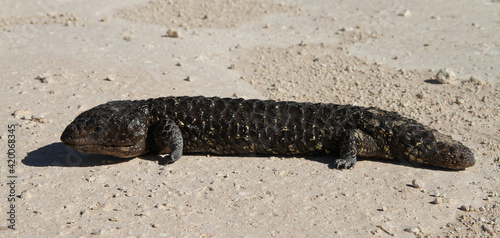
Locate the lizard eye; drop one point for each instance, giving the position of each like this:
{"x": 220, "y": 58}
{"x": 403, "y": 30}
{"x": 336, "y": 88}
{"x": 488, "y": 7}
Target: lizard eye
{"x": 97, "y": 129}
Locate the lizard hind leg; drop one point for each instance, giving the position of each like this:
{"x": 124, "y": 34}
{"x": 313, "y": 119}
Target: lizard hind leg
{"x": 167, "y": 139}
{"x": 355, "y": 143}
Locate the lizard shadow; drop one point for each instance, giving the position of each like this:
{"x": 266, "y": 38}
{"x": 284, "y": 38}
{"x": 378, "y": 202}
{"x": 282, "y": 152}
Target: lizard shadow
{"x": 59, "y": 155}
{"x": 329, "y": 160}
{"x": 407, "y": 163}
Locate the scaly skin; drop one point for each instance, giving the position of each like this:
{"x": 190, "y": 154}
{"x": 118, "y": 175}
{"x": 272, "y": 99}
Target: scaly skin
{"x": 176, "y": 125}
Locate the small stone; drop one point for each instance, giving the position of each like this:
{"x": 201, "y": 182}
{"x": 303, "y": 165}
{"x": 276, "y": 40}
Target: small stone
{"x": 476, "y": 81}
{"x": 466, "y": 208}
{"x": 173, "y": 33}
{"x": 417, "y": 183}
{"x": 22, "y": 114}
{"x": 110, "y": 77}
{"x": 302, "y": 43}
{"x": 113, "y": 219}
{"x": 477, "y": 26}
{"x": 232, "y": 66}
{"x": 346, "y": 29}
{"x": 43, "y": 78}
{"x": 25, "y": 194}
{"x": 406, "y": 13}
{"x": 413, "y": 229}
{"x": 122, "y": 188}
{"x": 445, "y": 76}
{"x": 188, "y": 79}
{"x": 384, "y": 208}
{"x": 38, "y": 119}
{"x": 459, "y": 101}
{"x": 178, "y": 64}
{"x": 127, "y": 38}
{"x": 438, "y": 200}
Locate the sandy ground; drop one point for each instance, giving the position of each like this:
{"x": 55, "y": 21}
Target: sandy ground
{"x": 59, "y": 58}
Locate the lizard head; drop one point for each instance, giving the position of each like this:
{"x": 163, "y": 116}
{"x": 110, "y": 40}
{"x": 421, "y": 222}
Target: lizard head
{"x": 116, "y": 128}
{"x": 428, "y": 146}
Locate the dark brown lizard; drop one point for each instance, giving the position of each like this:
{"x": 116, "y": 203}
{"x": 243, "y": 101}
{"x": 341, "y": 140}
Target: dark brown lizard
{"x": 177, "y": 125}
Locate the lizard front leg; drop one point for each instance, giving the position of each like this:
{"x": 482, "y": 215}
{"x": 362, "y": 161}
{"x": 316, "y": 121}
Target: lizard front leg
{"x": 167, "y": 139}
{"x": 355, "y": 143}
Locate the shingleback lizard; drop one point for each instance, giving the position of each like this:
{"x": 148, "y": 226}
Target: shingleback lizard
{"x": 225, "y": 126}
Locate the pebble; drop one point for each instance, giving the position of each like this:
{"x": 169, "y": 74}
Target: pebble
{"x": 476, "y": 81}
{"x": 466, "y": 208}
{"x": 188, "y": 79}
{"x": 21, "y": 114}
{"x": 346, "y": 29}
{"x": 122, "y": 188}
{"x": 110, "y": 77}
{"x": 413, "y": 229}
{"x": 38, "y": 119}
{"x": 43, "y": 78}
{"x": 406, "y": 13}
{"x": 25, "y": 194}
{"x": 445, "y": 76}
{"x": 173, "y": 33}
{"x": 438, "y": 200}
{"x": 417, "y": 183}
{"x": 460, "y": 101}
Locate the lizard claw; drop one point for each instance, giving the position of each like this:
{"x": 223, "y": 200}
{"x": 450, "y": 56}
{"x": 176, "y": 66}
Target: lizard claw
{"x": 165, "y": 160}
{"x": 344, "y": 163}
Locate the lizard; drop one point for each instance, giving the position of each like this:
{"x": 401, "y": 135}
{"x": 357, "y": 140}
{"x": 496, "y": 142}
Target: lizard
{"x": 171, "y": 126}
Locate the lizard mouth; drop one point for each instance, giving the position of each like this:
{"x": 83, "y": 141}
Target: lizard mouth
{"x": 121, "y": 151}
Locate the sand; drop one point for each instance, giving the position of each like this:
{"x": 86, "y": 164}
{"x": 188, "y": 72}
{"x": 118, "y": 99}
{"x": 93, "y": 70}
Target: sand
{"x": 60, "y": 58}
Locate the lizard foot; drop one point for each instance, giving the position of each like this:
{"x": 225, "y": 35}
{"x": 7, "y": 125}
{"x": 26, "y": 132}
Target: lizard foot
{"x": 165, "y": 160}
{"x": 344, "y": 163}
